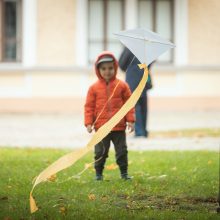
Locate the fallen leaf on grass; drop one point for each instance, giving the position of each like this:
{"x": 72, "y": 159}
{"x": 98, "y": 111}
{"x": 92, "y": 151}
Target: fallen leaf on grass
{"x": 112, "y": 166}
{"x": 63, "y": 210}
{"x": 104, "y": 198}
{"x": 91, "y": 197}
{"x": 52, "y": 178}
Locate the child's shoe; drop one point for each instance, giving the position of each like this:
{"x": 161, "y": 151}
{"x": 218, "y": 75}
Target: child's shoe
{"x": 125, "y": 176}
{"x": 99, "y": 177}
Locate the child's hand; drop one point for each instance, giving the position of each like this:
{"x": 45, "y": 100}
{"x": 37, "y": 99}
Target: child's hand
{"x": 130, "y": 126}
{"x": 89, "y": 128}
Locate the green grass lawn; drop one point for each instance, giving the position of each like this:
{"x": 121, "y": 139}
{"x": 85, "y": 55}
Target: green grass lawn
{"x": 166, "y": 185}
{"x": 193, "y": 132}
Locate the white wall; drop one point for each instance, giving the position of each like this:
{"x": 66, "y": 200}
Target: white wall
{"x": 81, "y": 32}
{"x": 181, "y": 32}
{"x": 29, "y": 29}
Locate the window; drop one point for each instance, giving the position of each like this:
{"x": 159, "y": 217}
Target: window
{"x": 157, "y": 15}
{"x": 10, "y": 30}
{"x": 105, "y": 18}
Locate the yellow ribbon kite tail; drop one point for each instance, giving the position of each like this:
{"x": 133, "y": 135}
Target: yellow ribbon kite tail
{"x": 70, "y": 158}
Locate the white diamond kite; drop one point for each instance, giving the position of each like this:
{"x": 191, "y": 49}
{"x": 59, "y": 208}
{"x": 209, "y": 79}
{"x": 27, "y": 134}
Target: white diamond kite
{"x": 146, "y": 45}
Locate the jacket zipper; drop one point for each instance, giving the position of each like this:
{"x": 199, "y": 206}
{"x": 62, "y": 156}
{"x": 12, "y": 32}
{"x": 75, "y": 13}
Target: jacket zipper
{"x": 108, "y": 103}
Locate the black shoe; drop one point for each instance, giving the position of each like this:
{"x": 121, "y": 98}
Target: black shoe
{"x": 99, "y": 177}
{"x": 143, "y": 135}
{"x": 125, "y": 176}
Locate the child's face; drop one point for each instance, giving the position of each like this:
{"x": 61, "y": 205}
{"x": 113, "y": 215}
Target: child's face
{"x": 107, "y": 70}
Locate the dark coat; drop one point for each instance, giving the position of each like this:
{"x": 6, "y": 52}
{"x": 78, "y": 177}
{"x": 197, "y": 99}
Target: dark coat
{"x": 128, "y": 63}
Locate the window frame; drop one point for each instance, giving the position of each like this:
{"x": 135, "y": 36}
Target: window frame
{"x": 18, "y": 39}
{"x": 104, "y": 41}
{"x": 1, "y": 30}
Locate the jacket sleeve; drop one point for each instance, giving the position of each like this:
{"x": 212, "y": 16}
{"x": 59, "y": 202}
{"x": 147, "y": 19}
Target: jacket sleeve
{"x": 89, "y": 107}
{"x": 125, "y": 59}
{"x": 130, "y": 116}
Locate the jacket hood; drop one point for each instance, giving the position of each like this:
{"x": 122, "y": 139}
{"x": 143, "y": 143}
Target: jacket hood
{"x": 100, "y": 56}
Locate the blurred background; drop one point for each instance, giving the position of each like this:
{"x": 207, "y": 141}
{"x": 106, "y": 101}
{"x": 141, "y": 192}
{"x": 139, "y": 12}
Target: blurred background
{"x": 47, "y": 49}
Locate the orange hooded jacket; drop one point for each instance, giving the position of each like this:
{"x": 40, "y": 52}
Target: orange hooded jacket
{"x": 98, "y": 110}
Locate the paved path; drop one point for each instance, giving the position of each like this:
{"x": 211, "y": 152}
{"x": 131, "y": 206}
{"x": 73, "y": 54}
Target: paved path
{"x": 67, "y": 131}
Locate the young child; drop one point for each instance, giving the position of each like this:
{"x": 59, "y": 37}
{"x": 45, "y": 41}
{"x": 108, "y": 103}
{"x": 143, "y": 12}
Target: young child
{"x": 105, "y": 97}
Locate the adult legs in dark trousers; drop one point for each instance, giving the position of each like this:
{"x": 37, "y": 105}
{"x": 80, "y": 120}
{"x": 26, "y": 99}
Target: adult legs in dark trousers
{"x": 141, "y": 117}
{"x": 101, "y": 153}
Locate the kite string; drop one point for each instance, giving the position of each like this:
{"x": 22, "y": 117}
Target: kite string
{"x": 87, "y": 166}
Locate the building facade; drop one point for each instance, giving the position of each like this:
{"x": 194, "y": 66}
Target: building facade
{"x": 47, "y": 47}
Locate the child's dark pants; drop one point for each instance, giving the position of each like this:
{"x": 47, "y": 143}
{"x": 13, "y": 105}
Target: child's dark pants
{"x": 102, "y": 148}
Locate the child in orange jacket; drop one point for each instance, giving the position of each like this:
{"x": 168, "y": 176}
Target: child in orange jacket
{"x": 105, "y": 97}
